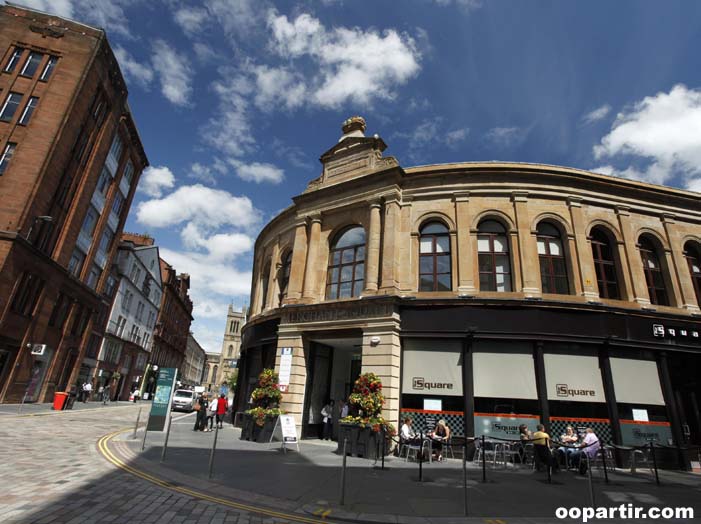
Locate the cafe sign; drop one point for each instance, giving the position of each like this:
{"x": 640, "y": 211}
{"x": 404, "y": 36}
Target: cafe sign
{"x": 432, "y": 368}
{"x": 574, "y": 378}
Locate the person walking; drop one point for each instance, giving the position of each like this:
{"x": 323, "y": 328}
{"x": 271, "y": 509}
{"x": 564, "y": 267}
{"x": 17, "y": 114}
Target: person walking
{"x": 327, "y": 413}
{"x": 201, "y": 417}
{"x": 222, "y": 407}
{"x": 87, "y": 390}
{"x": 211, "y": 411}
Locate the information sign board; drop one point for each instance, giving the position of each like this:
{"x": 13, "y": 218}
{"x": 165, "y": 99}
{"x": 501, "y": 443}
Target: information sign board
{"x": 160, "y": 407}
{"x": 285, "y": 368}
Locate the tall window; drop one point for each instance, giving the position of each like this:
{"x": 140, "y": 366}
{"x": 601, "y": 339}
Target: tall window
{"x": 434, "y": 258}
{"x": 28, "y": 110}
{"x": 604, "y": 264}
{"x": 693, "y": 258}
{"x": 346, "y": 274}
{"x": 653, "y": 272}
{"x": 48, "y": 68}
{"x": 553, "y": 266}
{"x": 493, "y": 249}
{"x": 117, "y": 204}
{"x": 32, "y": 64}
{"x": 264, "y": 286}
{"x": 14, "y": 60}
{"x": 9, "y": 108}
{"x": 91, "y": 218}
{"x": 6, "y": 156}
{"x": 285, "y": 274}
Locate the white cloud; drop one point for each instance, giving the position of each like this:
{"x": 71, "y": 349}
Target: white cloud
{"x": 597, "y": 114}
{"x": 467, "y": 5}
{"x": 229, "y": 131}
{"x": 353, "y": 65}
{"x": 57, "y": 7}
{"x": 238, "y": 18}
{"x": 191, "y": 19}
{"x": 155, "y": 179}
{"x": 204, "y": 52}
{"x": 453, "y": 138}
{"x": 505, "y": 136}
{"x": 694, "y": 185}
{"x": 429, "y": 133}
{"x": 206, "y": 207}
{"x": 258, "y": 172}
{"x": 661, "y": 134}
{"x": 208, "y": 174}
{"x": 173, "y": 71}
{"x": 276, "y": 84}
{"x": 133, "y": 70}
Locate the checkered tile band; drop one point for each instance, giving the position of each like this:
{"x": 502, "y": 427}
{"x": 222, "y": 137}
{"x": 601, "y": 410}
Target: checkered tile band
{"x": 424, "y": 420}
{"x": 601, "y": 427}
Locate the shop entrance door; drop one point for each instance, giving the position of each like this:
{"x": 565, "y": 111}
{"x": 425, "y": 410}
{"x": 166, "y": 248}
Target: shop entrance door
{"x": 333, "y": 365}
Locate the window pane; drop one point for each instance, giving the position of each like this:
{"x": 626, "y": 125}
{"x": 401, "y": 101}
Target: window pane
{"x": 347, "y": 256}
{"x": 657, "y": 279}
{"x": 357, "y": 288}
{"x": 502, "y": 263}
{"x": 433, "y": 228}
{"x": 545, "y": 283}
{"x": 500, "y": 245}
{"x": 352, "y": 237}
{"x": 559, "y": 266}
{"x": 541, "y": 247}
{"x": 610, "y": 273}
{"x": 443, "y": 283}
{"x": 442, "y": 244}
{"x": 14, "y": 59}
{"x": 503, "y": 283}
{"x": 336, "y": 258}
{"x": 346, "y": 273}
{"x": 486, "y": 282}
{"x": 360, "y": 253}
{"x": 331, "y": 292}
{"x": 333, "y": 275}
{"x": 6, "y": 156}
{"x": 561, "y": 285}
{"x": 32, "y": 64}
{"x": 426, "y": 283}
{"x": 483, "y": 244}
{"x": 426, "y": 245}
{"x": 28, "y": 110}
{"x": 360, "y": 271}
{"x": 426, "y": 265}
{"x": 485, "y": 263}
{"x": 443, "y": 264}
{"x": 555, "y": 247}
{"x": 9, "y": 108}
{"x": 345, "y": 290}
{"x": 613, "y": 291}
{"x": 49, "y": 68}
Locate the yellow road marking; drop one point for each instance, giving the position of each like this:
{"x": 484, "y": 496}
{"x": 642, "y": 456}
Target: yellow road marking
{"x": 104, "y": 449}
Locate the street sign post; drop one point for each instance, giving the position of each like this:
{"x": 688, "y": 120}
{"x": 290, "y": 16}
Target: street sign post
{"x": 160, "y": 407}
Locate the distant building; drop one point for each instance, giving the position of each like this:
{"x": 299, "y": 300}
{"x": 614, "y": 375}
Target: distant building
{"x": 221, "y": 365}
{"x": 194, "y": 365}
{"x": 211, "y": 374}
{"x": 70, "y": 160}
{"x": 129, "y": 335}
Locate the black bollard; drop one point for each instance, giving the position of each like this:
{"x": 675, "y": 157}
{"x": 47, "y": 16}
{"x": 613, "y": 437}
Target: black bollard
{"x": 464, "y": 475}
{"x": 384, "y": 445}
{"x": 343, "y": 473}
{"x": 549, "y": 465}
{"x": 421, "y": 461}
{"x": 484, "y": 463}
{"x": 654, "y": 462}
{"x": 603, "y": 459}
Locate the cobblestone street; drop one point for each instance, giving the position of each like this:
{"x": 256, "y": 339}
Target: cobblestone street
{"x": 52, "y": 472}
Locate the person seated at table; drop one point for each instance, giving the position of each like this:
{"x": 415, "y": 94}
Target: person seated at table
{"x": 569, "y": 438}
{"x": 407, "y": 433}
{"x": 525, "y": 435}
{"x": 541, "y": 442}
{"x": 590, "y": 447}
{"x": 440, "y": 434}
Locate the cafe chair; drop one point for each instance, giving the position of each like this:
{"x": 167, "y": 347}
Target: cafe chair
{"x": 598, "y": 461}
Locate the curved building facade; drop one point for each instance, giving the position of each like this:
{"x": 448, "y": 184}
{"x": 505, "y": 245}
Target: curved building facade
{"x": 486, "y": 293}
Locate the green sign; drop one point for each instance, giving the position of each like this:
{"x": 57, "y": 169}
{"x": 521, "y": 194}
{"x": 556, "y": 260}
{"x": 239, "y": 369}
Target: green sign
{"x": 160, "y": 408}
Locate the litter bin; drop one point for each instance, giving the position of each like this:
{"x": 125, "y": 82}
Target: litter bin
{"x": 59, "y": 400}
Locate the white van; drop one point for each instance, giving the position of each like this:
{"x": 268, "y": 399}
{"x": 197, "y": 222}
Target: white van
{"x": 183, "y": 400}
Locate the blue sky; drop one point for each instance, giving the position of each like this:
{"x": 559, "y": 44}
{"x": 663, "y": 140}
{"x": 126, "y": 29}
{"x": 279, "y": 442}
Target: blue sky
{"x": 236, "y": 99}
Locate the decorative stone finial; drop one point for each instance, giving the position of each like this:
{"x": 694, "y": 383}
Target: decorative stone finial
{"x": 354, "y": 123}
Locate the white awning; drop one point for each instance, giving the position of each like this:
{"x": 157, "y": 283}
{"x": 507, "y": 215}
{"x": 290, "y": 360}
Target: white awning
{"x": 636, "y": 381}
{"x": 432, "y": 367}
{"x": 574, "y": 378}
{"x": 504, "y": 375}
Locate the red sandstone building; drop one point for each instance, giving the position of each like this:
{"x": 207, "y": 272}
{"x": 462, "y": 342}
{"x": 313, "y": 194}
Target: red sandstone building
{"x": 70, "y": 160}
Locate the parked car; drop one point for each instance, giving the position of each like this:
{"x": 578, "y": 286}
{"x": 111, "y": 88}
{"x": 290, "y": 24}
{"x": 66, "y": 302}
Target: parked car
{"x": 183, "y": 400}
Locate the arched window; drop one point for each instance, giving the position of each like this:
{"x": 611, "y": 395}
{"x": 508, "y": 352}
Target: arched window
{"x": 693, "y": 258}
{"x": 215, "y": 370}
{"x": 284, "y": 278}
{"x": 493, "y": 249}
{"x": 604, "y": 264}
{"x": 434, "y": 258}
{"x": 346, "y": 275}
{"x": 653, "y": 272}
{"x": 231, "y": 350}
{"x": 551, "y": 255}
{"x": 264, "y": 286}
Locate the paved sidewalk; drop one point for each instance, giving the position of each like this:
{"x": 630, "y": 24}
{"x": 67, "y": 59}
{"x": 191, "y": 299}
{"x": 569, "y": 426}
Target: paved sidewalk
{"x": 47, "y": 408}
{"x": 309, "y": 482}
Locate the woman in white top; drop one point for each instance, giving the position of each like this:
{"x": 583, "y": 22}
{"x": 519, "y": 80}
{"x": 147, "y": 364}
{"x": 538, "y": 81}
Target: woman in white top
{"x": 407, "y": 432}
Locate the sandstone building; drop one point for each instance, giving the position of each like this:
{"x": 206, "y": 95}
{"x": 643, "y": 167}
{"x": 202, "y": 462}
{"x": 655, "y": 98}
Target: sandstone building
{"x": 486, "y": 293}
{"x": 70, "y": 160}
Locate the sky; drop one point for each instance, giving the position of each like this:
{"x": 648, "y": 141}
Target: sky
{"x": 235, "y": 100}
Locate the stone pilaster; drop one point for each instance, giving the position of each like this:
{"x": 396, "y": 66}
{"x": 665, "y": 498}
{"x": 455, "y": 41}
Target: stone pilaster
{"x": 406, "y": 252}
{"x": 390, "y": 249}
{"x": 636, "y": 281}
{"x": 679, "y": 267}
{"x": 585, "y": 278}
{"x": 382, "y": 356}
{"x": 310, "y": 291}
{"x": 465, "y": 246}
{"x": 372, "y": 268}
{"x": 293, "y": 399}
{"x": 527, "y": 248}
{"x": 270, "y": 300}
{"x": 299, "y": 259}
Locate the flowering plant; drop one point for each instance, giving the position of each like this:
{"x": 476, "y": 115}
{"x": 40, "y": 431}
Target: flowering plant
{"x": 367, "y": 401}
{"x": 266, "y": 397}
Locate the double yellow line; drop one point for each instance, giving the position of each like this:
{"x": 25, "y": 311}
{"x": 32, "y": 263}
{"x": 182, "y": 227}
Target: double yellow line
{"x": 103, "y": 447}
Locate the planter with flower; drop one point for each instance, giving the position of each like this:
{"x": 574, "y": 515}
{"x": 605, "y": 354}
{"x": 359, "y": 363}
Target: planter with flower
{"x": 365, "y": 429}
{"x": 259, "y": 421}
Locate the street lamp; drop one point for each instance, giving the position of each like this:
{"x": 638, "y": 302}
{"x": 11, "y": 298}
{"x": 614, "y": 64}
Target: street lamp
{"x": 41, "y": 218}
